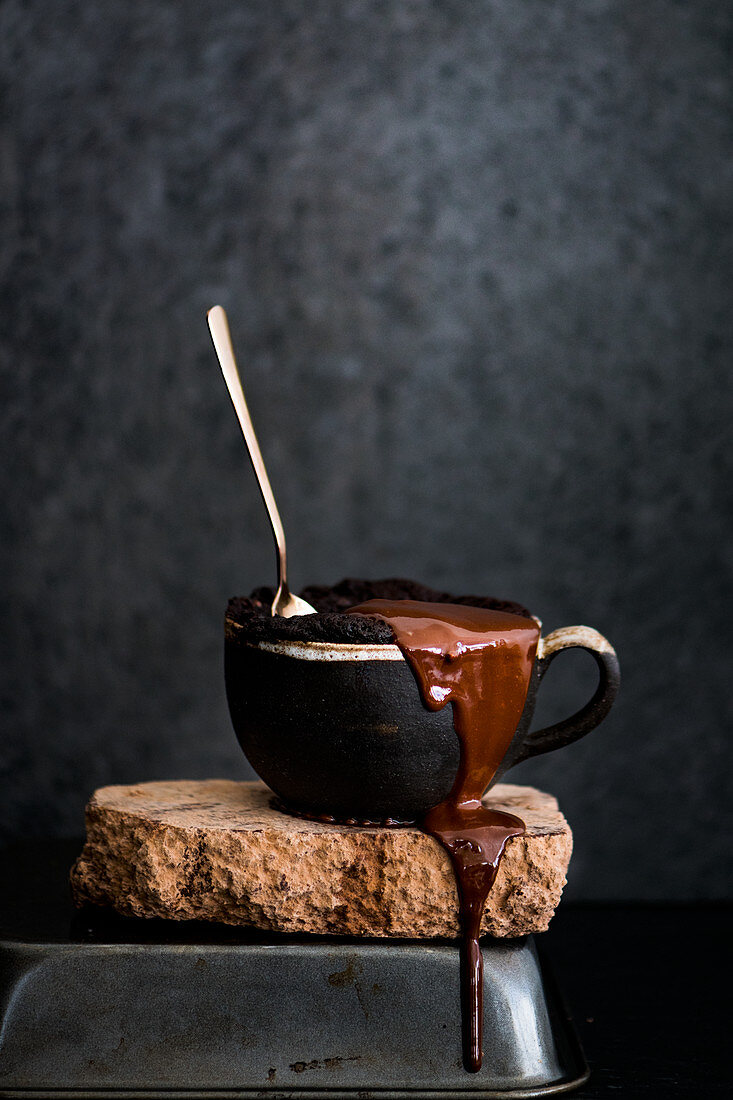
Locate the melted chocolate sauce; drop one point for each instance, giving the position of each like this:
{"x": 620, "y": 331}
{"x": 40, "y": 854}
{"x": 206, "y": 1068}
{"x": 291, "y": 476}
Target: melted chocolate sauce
{"x": 479, "y": 661}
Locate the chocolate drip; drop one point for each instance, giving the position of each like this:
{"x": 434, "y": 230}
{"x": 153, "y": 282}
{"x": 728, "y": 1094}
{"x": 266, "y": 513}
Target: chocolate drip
{"x": 479, "y": 660}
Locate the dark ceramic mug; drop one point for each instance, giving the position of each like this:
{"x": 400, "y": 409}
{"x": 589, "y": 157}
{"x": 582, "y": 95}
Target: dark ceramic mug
{"x": 340, "y": 729}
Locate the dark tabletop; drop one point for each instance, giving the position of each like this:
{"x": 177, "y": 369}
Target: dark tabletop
{"x": 648, "y": 986}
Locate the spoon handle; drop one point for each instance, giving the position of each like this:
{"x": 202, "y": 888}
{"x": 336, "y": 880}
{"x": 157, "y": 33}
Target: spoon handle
{"x": 219, "y": 328}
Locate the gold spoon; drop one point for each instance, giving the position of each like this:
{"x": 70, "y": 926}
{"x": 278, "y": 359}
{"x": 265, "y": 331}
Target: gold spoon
{"x": 284, "y": 603}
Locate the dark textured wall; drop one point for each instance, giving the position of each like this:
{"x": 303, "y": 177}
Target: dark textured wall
{"x": 477, "y": 260}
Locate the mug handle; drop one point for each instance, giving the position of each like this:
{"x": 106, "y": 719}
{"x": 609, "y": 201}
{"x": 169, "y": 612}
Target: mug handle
{"x": 595, "y": 710}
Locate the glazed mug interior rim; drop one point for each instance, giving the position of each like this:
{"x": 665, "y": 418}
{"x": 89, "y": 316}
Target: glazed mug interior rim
{"x": 369, "y": 651}
{"x": 565, "y": 637}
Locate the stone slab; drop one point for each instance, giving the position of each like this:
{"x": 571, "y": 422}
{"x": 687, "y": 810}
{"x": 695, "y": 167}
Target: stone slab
{"x": 219, "y": 850}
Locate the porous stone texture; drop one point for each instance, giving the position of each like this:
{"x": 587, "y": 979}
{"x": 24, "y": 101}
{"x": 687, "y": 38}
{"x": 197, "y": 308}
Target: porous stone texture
{"x": 219, "y": 850}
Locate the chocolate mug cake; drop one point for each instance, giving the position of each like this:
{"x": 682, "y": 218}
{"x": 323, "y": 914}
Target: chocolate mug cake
{"x": 327, "y": 711}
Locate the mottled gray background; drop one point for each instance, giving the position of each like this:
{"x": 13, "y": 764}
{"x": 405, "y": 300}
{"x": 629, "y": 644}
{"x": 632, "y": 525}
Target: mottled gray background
{"x": 477, "y": 260}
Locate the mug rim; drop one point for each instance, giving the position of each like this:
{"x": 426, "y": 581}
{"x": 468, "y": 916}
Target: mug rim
{"x": 336, "y": 651}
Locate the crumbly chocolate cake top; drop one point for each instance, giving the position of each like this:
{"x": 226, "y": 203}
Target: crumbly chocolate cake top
{"x": 252, "y": 613}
